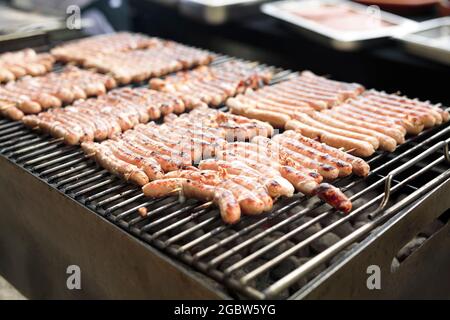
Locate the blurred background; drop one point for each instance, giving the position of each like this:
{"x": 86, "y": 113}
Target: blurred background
{"x": 256, "y": 30}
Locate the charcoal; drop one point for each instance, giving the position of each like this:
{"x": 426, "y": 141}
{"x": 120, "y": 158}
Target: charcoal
{"x": 230, "y": 261}
{"x": 337, "y": 257}
{"x": 260, "y": 243}
{"x": 342, "y": 253}
{"x": 302, "y": 281}
{"x": 225, "y": 234}
{"x": 431, "y": 228}
{"x": 303, "y": 252}
{"x": 316, "y": 272}
{"x": 359, "y": 224}
{"x": 409, "y": 248}
{"x": 283, "y": 268}
{"x": 192, "y": 235}
{"x": 238, "y": 274}
{"x": 276, "y": 251}
{"x": 324, "y": 242}
{"x": 395, "y": 265}
{"x": 342, "y": 230}
{"x": 302, "y": 235}
{"x": 298, "y": 285}
{"x": 363, "y": 216}
{"x": 253, "y": 233}
{"x": 263, "y": 280}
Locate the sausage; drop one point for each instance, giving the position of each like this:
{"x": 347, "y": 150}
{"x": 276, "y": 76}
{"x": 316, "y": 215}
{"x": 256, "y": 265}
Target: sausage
{"x": 253, "y": 185}
{"x": 161, "y": 188}
{"x": 413, "y": 125}
{"x": 276, "y": 185}
{"x": 248, "y": 201}
{"x": 230, "y": 210}
{"x": 360, "y": 167}
{"x": 361, "y": 122}
{"x": 426, "y": 118}
{"x": 386, "y": 142}
{"x": 344, "y": 168}
{"x": 298, "y": 160}
{"x": 150, "y": 166}
{"x": 123, "y": 169}
{"x": 322, "y": 126}
{"x": 358, "y": 147}
{"x": 333, "y": 196}
{"x": 439, "y": 114}
{"x": 276, "y": 119}
{"x": 300, "y": 181}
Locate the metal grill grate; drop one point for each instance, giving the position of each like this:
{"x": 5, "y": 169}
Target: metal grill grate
{"x": 259, "y": 257}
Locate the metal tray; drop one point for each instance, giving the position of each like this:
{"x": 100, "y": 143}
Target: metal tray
{"x": 345, "y": 41}
{"x": 217, "y": 12}
{"x": 431, "y": 39}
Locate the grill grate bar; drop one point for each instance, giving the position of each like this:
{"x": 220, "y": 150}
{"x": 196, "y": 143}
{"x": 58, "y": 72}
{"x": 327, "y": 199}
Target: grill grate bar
{"x": 91, "y": 188}
{"x": 45, "y": 157}
{"x": 36, "y": 146}
{"x": 145, "y": 204}
{"x": 113, "y": 198}
{"x": 124, "y": 203}
{"x": 22, "y": 144}
{"x": 12, "y": 135}
{"x": 203, "y": 208}
{"x": 63, "y": 166}
{"x": 57, "y": 160}
{"x": 51, "y": 155}
{"x": 11, "y": 128}
{"x": 329, "y": 228}
{"x": 99, "y": 175}
{"x": 14, "y": 141}
{"x": 166, "y": 217}
{"x": 76, "y": 177}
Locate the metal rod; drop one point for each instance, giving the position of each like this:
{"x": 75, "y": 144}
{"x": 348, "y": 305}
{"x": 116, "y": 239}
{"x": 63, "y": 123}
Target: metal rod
{"x": 181, "y": 222}
{"x": 9, "y": 130}
{"x": 166, "y": 217}
{"x": 84, "y": 182}
{"x": 98, "y": 185}
{"x": 190, "y": 230}
{"x": 116, "y": 196}
{"x": 12, "y": 135}
{"x": 409, "y": 164}
{"x": 63, "y": 166}
{"x": 14, "y": 142}
{"x": 36, "y": 146}
{"x": 246, "y": 229}
{"x": 76, "y": 177}
{"x": 124, "y": 203}
{"x": 22, "y": 144}
{"x": 109, "y": 190}
{"x": 147, "y": 203}
{"x": 39, "y": 152}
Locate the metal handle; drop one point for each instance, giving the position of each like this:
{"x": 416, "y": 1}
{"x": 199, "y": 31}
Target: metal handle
{"x": 388, "y": 182}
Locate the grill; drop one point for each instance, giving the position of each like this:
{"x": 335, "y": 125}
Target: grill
{"x": 302, "y": 249}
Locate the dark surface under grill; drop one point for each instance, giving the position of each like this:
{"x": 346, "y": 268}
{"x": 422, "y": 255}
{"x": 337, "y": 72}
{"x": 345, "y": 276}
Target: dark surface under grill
{"x": 254, "y": 258}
